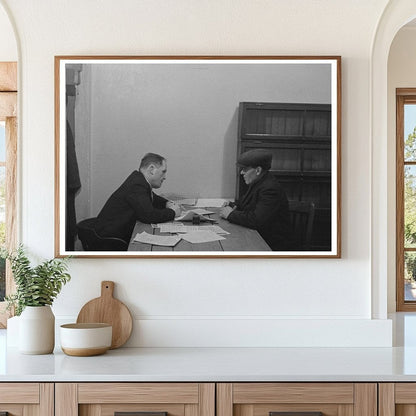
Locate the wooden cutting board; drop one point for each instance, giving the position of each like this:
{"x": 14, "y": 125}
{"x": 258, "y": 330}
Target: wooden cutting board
{"x": 109, "y": 310}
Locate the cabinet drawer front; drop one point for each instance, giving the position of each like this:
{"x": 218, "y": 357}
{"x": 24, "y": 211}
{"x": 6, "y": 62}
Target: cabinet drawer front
{"x": 405, "y": 393}
{"x": 285, "y": 409}
{"x": 19, "y": 393}
{"x": 138, "y": 393}
{"x": 341, "y": 393}
{"x": 130, "y": 409}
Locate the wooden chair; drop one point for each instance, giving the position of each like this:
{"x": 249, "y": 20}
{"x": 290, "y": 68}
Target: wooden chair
{"x": 302, "y": 214}
{"x": 91, "y": 241}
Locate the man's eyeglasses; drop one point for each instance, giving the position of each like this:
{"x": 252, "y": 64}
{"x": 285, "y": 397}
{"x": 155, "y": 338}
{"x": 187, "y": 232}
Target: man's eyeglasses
{"x": 246, "y": 169}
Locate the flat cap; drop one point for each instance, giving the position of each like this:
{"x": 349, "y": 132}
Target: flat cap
{"x": 254, "y": 158}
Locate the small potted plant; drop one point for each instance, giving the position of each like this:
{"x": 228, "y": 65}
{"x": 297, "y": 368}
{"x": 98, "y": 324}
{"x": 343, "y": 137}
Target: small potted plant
{"x": 36, "y": 289}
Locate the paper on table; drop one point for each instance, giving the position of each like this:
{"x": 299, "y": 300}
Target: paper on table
{"x": 181, "y": 228}
{"x": 188, "y": 215}
{"x": 199, "y": 211}
{"x": 157, "y": 240}
{"x": 202, "y": 211}
{"x": 211, "y": 202}
{"x": 186, "y": 201}
{"x": 159, "y": 224}
{"x": 196, "y": 237}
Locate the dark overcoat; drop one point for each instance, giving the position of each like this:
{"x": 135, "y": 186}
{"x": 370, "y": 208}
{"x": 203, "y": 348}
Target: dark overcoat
{"x": 133, "y": 201}
{"x": 264, "y": 207}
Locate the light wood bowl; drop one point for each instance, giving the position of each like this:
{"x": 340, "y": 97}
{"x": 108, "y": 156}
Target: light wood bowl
{"x": 86, "y": 339}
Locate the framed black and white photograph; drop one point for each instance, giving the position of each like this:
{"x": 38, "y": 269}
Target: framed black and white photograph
{"x": 185, "y": 156}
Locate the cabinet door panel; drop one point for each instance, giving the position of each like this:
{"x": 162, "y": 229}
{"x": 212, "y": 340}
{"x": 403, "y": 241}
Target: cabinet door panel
{"x": 264, "y": 410}
{"x": 27, "y": 399}
{"x": 111, "y": 409}
{"x": 105, "y": 399}
{"x": 331, "y": 399}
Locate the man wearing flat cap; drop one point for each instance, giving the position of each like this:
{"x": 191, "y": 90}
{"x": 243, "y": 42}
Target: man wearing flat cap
{"x": 264, "y": 207}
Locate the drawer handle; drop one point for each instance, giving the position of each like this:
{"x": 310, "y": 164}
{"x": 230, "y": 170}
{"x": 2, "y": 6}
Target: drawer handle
{"x": 295, "y": 413}
{"x": 139, "y": 414}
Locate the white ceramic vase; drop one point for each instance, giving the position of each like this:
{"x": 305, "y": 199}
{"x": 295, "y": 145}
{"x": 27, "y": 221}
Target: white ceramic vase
{"x": 37, "y": 330}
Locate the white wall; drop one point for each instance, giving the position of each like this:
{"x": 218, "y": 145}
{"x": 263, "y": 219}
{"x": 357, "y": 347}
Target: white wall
{"x": 212, "y": 301}
{"x": 401, "y": 74}
{"x": 8, "y": 46}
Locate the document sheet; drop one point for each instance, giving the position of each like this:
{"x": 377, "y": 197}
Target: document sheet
{"x": 157, "y": 240}
{"x": 174, "y": 228}
{"x": 210, "y": 202}
{"x": 196, "y": 237}
{"x": 188, "y": 215}
{"x": 186, "y": 201}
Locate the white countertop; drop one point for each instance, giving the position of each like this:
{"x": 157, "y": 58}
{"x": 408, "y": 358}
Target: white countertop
{"x": 215, "y": 364}
{"x": 221, "y": 364}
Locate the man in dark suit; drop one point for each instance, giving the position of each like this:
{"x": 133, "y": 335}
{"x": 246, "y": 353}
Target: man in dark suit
{"x": 135, "y": 201}
{"x": 264, "y": 207}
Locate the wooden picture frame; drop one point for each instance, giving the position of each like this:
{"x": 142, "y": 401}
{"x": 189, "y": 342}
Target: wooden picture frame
{"x": 200, "y": 113}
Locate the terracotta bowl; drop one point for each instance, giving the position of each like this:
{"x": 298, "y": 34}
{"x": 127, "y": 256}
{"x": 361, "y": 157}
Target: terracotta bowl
{"x": 84, "y": 340}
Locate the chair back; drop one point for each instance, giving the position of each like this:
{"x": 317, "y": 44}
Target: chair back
{"x": 91, "y": 241}
{"x": 302, "y": 214}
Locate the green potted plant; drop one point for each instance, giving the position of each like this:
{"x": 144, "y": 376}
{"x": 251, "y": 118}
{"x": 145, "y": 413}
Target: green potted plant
{"x": 36, "y": 289}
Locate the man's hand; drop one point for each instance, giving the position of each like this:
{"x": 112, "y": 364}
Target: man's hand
{"x": 176, "y": 207}
{"x": 226, "y": 211}
{"x": 229, "y": 204}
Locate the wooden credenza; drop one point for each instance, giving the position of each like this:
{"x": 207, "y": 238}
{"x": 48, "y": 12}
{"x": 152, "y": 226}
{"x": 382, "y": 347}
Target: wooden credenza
{"x": 208, "y": 399}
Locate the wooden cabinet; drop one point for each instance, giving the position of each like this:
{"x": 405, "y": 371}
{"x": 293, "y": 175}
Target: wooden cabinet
{"x": 299, "y": 137}
{"x": 26, "y": 399}
{"x": 108, "y": 399}
{"x": 208, "y": 399}
{"x": 297, "y": 399}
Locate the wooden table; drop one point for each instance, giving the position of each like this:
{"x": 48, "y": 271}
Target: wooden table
{"x": 239, "y": 239}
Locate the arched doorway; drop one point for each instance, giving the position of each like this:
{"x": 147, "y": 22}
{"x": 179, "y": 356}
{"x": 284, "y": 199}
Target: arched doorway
{"x": 401, "y": 123}
{"x": 396, "y": 15}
